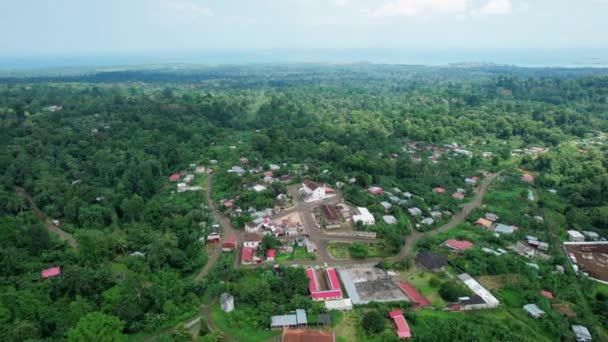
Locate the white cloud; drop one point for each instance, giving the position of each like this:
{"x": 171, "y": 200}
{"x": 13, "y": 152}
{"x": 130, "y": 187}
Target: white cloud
{"x": 189, "y": 7}
{"x": 409, "y": 8}
{"x": 341, "y": 3}
{"x": 494, "y": 7}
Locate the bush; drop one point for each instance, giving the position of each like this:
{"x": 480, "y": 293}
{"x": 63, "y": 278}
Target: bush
{"x": 451, "y": 291}
{"x": 358, "y": 251}
{"x": 434, "y": 282}
{"x": 372, "y": 322}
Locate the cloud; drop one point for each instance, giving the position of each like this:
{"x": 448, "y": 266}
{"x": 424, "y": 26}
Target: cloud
{"x": 409, "y": 8}
{"x": 341, "y": 3}
{"x": 189, "y": 7}
{"x": 494, "y": 7}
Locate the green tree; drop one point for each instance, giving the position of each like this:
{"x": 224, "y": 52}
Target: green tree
{"x": 97, "y": 326}
{"x": 358, "y": 251}
{"x": 372, "y": 322}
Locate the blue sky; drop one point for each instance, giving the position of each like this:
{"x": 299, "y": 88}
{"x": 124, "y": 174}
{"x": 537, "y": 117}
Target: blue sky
{"x": 39, "y": 27}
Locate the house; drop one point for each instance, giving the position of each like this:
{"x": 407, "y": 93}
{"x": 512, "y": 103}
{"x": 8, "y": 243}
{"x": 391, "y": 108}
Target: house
{"x": 407, "y": 195}
{"x": 504, "y": 229}
{"x": 415, "y": 211}
{"x": 386, "y": 205}
{"x": 576, "y": 236}
{"x": 214, "y": 235}
{"x": 364, "y": 216}
{"x": 290, "y": 320}
{"x": 436, "y": 214}
{"x": 546, "y": 294}
{"x": 438, "y": 190}
{"x": 229, "y": 244}
{"x": 312, "y": 191}
{"x": 199, "y": 169}
{"x": 238, "y": 170}
{"x": 324, "y": 319}
{"x": 528, "y": 178}
{"x": 484, "y": 223}
{"x": 268, "y": 174}
{"x": 488, "y": 301}
{"x": 50, "y": 272}
{"x": 430, "y": 261}
{"x": 339, "y": 304}
{"x": 285, "y": 179}
{"x": 227, "y": 302}
{"x": 174, "y": 177}
{"x": 458, "y": 245}
{"x": 401, "y": 327}
{"x": 389, "y": 219}
{"x": 491, "y": 217}
{"x": 274, "y": 167}
{"x": 301, "y": 335}
{"x": 252, "y": 240}
{"x": 581, "y": 332}
{"x": 458, "y": 196}
{"x": 247, "y": 256}
{"x": 417, "y": 299}
{"x": 591, "y": 236}
{"x": 427, "y": 221}
{"x": 375, "y": 190}
{"x": 228, "y": 204}
{"x": 533, "y": 310}
{"x": 325, "y": 285}
{"x": 244, "y": 160}
{"x": 213, "y": 162}
{"x": 471, "y": 180}
{"x": 258, "y": 188}
{"x": 329, "y": 214}
{"x": 270, "y": 254}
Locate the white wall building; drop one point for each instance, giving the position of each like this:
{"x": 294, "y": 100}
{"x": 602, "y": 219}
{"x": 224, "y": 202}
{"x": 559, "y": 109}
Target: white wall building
{"x": 364, "y": 216}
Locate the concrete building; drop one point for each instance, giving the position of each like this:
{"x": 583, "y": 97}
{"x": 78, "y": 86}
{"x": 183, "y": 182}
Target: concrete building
{"x": 364, "y": 216}
{"x": 488, "y": 301}
{"x": 227, "y": 302}
{"x": 576, "y": 236}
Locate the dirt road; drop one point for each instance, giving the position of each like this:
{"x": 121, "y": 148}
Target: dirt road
{"x": 225, "y": 224}
{"x": 63, "y": 235}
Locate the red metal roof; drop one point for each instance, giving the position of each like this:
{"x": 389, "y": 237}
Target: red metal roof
{"x": 417, "y": 298}
{"x": 457, "y": 195}
{"x": 335, "y": 290}
{"x": 332, "y": 294}
{"x": 230, "y": 242}
{"x": 312, "y": 280}
{"x": 270, "y": 253}
{"x": 546, "y": 294}
{"x": 401, "y": 327}
{"x": 375, "y": 190}
{"x": 174, "y": 177}
{"x": 268, "y": 174}
{"x": 228, "y": 204}
{"x": 247, "y": 255}
{"x": 439, "y": 190}
{"x": 51, "y": 272}
{"x": 333, "y": 279}
{"x": 458, "y": 244}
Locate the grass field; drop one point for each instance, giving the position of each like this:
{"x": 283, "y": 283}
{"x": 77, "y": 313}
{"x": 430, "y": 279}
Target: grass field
{"x": 420, "y": 280}
{"x": 239, "y": 325}
{"x": 340, "y": 251}
{"x": 298, "y": 254}
{"x": 346, "y": 329}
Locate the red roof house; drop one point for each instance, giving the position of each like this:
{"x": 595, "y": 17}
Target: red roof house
{"x": 244, "y": 160}
{"x": 458, "y": 245}
{"x": 268, "y": 174}
{"x": 439, "y": 190}
{"x": 228, "y": 204}
{"x": 174, "y": 177}
{"x": 528, "y": 178}
{"x": 270, "y": 254}
{"x": 334, "y": 290}
{"x": 416, "y": 297}
{"x": 546, "y": 294}
{"x": 51, "y": 272}
{"x": 229, "y": 244}
{"x": 401, "y": 327}
{"x": 247, "y": 256}
{"x": 483, "y": 222}
{"x": 458, "y": 196}
{"x": 375, "y": 190}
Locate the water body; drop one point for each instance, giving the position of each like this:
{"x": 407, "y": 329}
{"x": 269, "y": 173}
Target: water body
{"x": 521, "y": 57}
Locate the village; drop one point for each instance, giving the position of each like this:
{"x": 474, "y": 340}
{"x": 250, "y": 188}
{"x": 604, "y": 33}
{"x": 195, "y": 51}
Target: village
{"x": 311, "y": 225}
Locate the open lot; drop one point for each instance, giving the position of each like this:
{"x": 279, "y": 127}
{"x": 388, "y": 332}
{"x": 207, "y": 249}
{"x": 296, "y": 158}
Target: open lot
{"x": 365, "y": 284}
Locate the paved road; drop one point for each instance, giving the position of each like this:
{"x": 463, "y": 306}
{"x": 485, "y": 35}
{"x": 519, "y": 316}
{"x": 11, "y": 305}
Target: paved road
{"x": 226, "y": 225}
{"x": 63, "y": 235}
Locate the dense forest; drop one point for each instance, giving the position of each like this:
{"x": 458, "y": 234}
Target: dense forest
{"x": 100, "y": 163}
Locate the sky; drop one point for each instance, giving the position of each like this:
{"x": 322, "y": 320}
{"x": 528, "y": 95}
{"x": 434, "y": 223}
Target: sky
{"x": 47, "y": 27}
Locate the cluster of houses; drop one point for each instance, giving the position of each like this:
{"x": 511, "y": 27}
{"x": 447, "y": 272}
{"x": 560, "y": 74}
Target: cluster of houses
{"x": 415, "y": 149}
{"x": 490, "y": 222}
{"x": 313, "y": 191}
{"x": 531, "y": 248}
{"x": 184, "y": 178}
{"x": 532, "y": 151}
